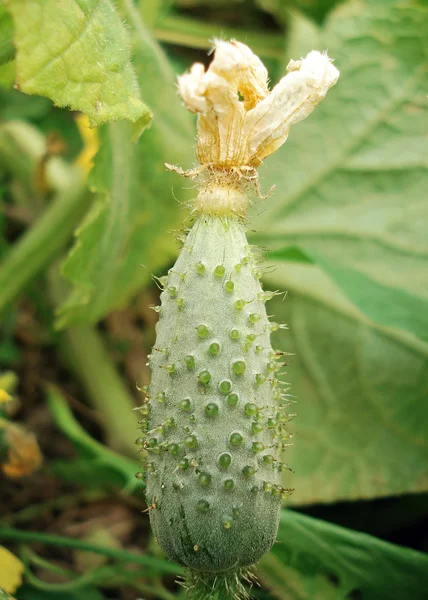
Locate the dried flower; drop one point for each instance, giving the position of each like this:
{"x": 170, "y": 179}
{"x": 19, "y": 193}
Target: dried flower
{"x": 240, "y": 121}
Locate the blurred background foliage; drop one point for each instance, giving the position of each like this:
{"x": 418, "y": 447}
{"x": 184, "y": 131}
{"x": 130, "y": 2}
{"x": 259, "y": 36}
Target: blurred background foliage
{"x": 344, "y": 234}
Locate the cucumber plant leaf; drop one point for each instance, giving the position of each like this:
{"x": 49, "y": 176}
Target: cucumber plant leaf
{"x": 361, "y": 430}
{"x": 122, "y": 239}
{"x": 351, "y": 180}
{"x": 404, "y": 309}
{"x": 310, "y": 547}
{"x": 77, "y": 53}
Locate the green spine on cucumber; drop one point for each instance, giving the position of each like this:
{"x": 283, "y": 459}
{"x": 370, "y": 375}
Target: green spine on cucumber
{"x": 214, "y": 417}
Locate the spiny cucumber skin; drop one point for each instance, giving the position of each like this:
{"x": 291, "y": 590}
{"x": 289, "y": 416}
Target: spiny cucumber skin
{"x": 197, "y": 520}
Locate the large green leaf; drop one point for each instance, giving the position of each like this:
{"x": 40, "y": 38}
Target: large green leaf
{"x": 77, "y": 53}
{"x": 352, "y": 179}
{"x": 308, "y": 548}
{"x": 361, "y": 429}
{"x": 124, "y": 239}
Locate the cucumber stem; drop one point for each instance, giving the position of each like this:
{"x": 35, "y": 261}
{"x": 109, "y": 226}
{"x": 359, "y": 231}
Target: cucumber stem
{"x": 218, "y": 586}
{"x": 222, "y": 200}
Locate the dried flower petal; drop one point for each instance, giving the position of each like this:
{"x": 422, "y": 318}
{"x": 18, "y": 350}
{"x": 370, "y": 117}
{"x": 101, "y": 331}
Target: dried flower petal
{"x": 242, "y": 69}
{"x": 292, "y": 100}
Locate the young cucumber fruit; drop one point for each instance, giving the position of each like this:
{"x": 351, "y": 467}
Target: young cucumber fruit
{"x": 212, "y": 474}
{"x": 215, "y": 420}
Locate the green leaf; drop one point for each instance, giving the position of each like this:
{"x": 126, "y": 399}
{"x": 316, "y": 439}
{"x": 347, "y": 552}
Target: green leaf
{"x": 288, "y": 583}
{"x": 377, "y": 569}
{"x": 351, "y": 180}
{"x": 291, "y": 253}
{"x": 390, "y": 307}
{"x": 123, "y": 239}
{"x": 77, "y": 53}
{"x": 361, "y": 428}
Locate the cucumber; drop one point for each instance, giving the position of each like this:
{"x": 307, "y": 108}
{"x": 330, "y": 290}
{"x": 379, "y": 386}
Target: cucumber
{"x": 214, "y": 419}
{"x": 214, "y": 422}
